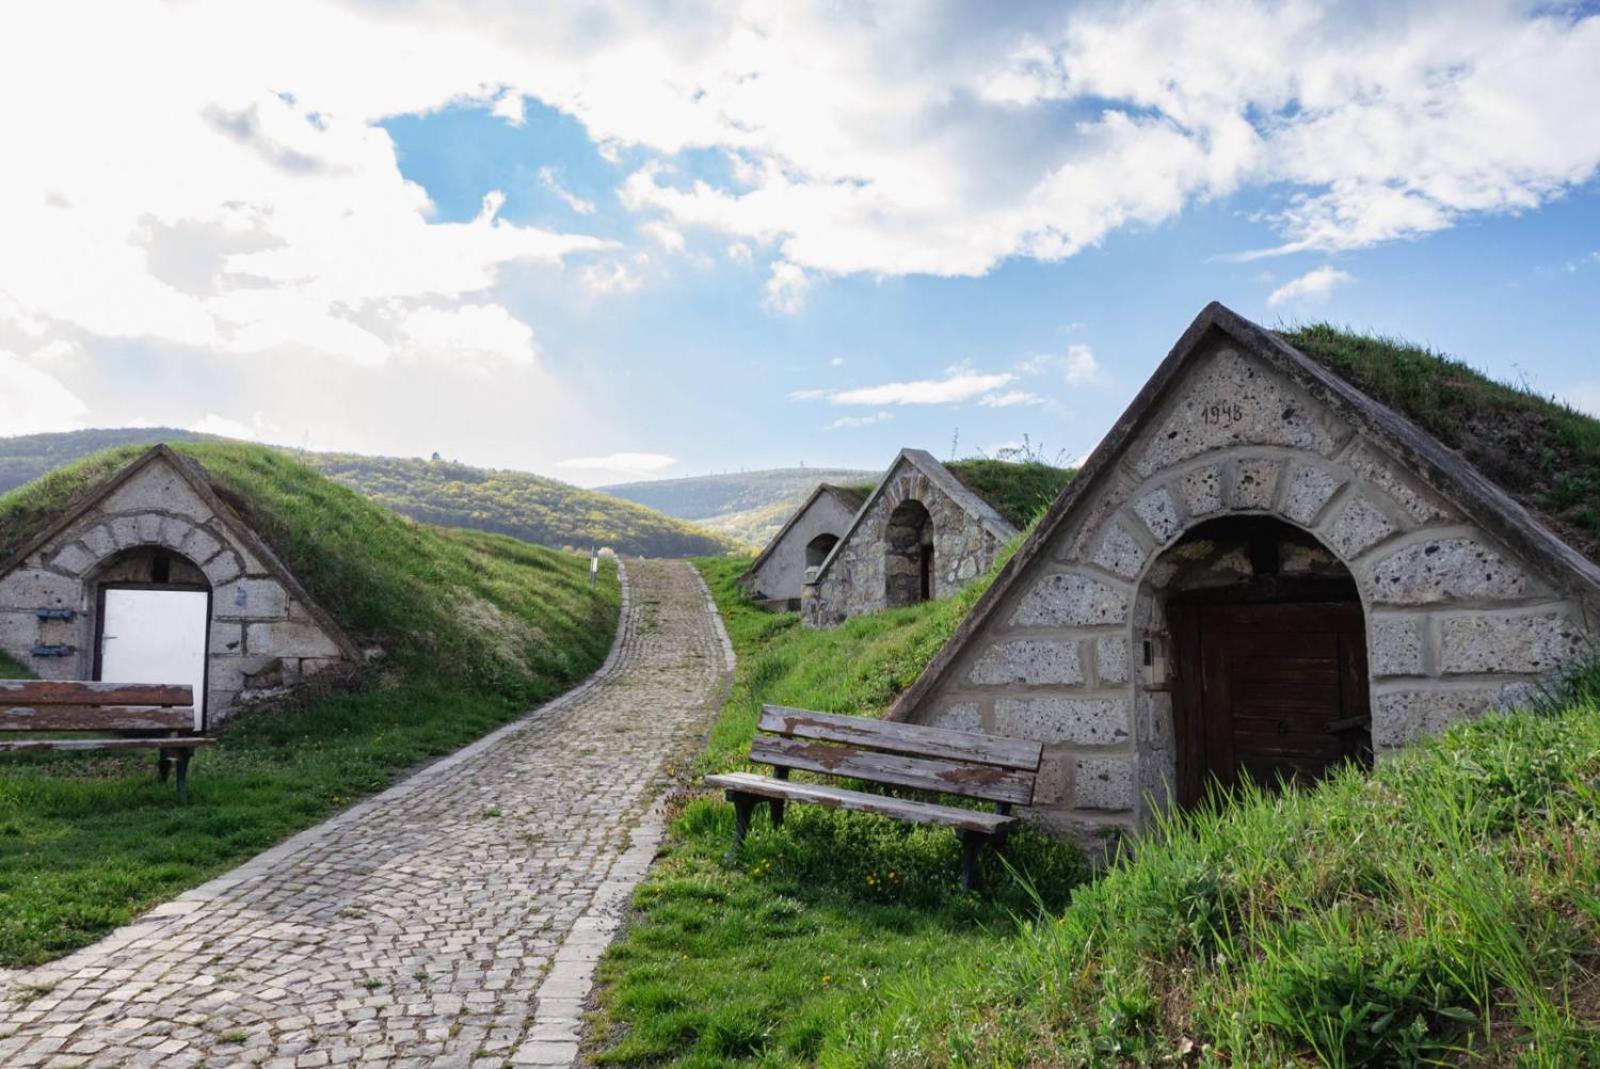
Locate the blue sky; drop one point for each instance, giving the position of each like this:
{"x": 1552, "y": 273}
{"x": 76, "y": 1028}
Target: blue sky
{"x": 639, "y": 242}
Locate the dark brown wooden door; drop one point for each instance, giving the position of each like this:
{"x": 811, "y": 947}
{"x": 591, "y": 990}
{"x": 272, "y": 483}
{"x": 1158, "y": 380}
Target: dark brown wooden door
{"x": 1269, "y": 693}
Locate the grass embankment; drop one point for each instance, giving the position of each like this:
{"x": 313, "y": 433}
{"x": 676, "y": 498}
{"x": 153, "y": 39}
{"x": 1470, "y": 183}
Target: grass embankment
{"x": 758, "y": 961}
{"x": 474, "y": 628}
{"x": 1544, "y": 453}
{"x": 1444, "y": 909}
{"x": 1017, "y": 489}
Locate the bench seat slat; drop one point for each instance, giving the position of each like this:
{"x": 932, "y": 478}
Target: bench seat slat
{"x": 91, "y": 692}
{"x": 95, "y": 718}
{"x": 19, "y": 745}
{"x": 987, "y": 782}
{"x": 1023, "y": 754}
{"x": 843, "y": 798}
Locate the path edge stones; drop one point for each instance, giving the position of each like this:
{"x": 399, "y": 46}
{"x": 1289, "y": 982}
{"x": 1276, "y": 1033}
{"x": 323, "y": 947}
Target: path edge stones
{"x": 151, "y": 921}
{"x": 556, "y": 1036}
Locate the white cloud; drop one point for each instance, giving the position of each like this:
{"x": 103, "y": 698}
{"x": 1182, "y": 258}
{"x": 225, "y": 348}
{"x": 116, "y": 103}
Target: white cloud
{"x": 610, "y": 277}
{"x": 509, "y": 106}
{"x": 954, "y": 388}
{"x": 623, "y": 464}
{"x": 1082, "y": 369}
{"x": 478, "y": 337}
{"x": 846, "y": 422}
{"x": 33, "y": 402}
{"x": 786, "y": 289}
{"x": 837, "y": 361}
{"x": 1011, "y": 399}
{"x": 739, "y": 252}
{"x": 547, "y": 178}
{"x": 212, "y": 423}
{"x": 668, "y": 237}
{"x": 1314, "y": 285}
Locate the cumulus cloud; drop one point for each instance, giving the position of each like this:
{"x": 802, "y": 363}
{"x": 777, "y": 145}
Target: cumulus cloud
{"x": 1011, "y": 399}
{"x": 612, "y": 276}
{"x": 955, "y": 387}
{"x": 1314, "y": 285}
{"x": 212, "y": 423}
{"x": 33, "y": 402}
{"x": 844, "y": 422}
{"x": 786, "y": 289}
{"x": 1081, "y": 368}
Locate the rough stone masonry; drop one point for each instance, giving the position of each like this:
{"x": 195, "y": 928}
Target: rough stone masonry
{"x": 1468, "y": 603}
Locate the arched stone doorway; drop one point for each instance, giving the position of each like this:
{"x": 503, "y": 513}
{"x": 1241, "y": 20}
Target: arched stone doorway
{"x": 152, "y": 620}
{"x": 908, "y": 564}
{"x": 1268, "y": 662}
{"x": 818, "y": 548}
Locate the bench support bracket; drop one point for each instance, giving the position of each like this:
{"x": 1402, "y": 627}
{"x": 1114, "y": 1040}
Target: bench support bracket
{"x": 164, "y": 768}
{"x": 972, "y": 843}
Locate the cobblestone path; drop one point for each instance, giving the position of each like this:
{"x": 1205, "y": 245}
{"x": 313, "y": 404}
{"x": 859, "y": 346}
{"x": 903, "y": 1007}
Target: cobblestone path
{"x": 453, "y": 920}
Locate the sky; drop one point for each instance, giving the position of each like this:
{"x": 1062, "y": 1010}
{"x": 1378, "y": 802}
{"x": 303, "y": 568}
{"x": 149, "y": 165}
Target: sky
{"x": 607, "y": 242}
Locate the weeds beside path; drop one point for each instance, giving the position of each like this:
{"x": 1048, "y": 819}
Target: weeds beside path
{"x": 758, "y": 961}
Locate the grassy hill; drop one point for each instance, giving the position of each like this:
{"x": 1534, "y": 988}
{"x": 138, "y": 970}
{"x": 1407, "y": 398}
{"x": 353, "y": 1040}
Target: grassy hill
{"x": 749, "y": 506}
{"x": 529, "y": 507}
{"x": 1019, "y": 491}
{"x": 475, "y": 628}
{"x": 1543, "y": 453}
{"x": 1440, "y": 910}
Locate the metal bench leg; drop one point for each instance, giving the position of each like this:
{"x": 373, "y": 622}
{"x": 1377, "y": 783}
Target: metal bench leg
{"x": 777, "y": 812}
{"x": 742, "y": 806}
{"x": 183, "y": 775}
{"x": 164, "y": 765}
{"x": 971, "y": 844}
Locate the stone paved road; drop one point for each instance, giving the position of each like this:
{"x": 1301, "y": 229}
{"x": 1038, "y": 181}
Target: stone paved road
{"x": 451, "y": 921}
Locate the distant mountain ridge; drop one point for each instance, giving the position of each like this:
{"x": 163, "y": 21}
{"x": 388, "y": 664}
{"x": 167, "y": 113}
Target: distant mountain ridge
{"x": 748, "y": 505}
{"x": 530, "y": 507}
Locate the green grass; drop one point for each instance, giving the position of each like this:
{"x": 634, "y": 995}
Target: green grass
{"x": 1018, "y": 490}
{"x": 475, "y": 628}
{"x": 757, "y": 961}
{"x": 1444, "y": 909}
{"x": 10, "y": 668}
{"x": 1544, "y": 453}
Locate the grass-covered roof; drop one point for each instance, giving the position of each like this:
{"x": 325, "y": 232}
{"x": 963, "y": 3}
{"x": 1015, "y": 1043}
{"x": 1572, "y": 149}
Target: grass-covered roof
{"x": 1017, "y": 490}
{"x": 483, "y": 607}
{"x": 1543, "y": 453}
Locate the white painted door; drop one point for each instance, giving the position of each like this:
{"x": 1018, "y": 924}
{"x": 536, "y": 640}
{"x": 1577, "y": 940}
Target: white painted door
{"x": 156, "y": 636}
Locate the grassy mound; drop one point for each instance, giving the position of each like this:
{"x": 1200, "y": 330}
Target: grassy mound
{"x": 1543, "y": 453}
{"x": 1018, "y": 490}
{"x": 758, "y": 961}
{"x": 535, "y": 509}
{"x": 475, "y": 628}
{"x": 1444, "y": 909}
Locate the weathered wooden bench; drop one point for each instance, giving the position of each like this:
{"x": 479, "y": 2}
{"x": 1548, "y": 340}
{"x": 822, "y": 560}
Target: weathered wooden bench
{"x": 889, "y": 754}
{"x": 140, "y": 716}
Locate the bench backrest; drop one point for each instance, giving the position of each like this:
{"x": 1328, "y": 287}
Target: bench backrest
{"x": 989, "y": 767}
{"x": 132, "y": 708}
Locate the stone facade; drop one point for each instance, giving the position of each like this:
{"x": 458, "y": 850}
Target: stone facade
{"x": 778, "y": 576}
{"x": 966, "y": 536}
{"x": 1457, "y": 622}
{"x": 264, "y": 632}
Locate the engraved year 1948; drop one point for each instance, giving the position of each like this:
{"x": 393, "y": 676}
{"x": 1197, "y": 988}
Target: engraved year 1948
{"x": 1222, "y": 413}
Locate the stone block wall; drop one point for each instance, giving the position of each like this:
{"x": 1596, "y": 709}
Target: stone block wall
{"x": 855, "y": 581}
{"x": 1455, "y": 623}
{"x": 261, "y": 636}
{"x": 781, "y": 575}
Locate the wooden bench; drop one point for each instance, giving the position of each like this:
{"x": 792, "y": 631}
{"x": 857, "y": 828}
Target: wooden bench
{"x": 141, "y": 716}
{"x": 889, "y": 754}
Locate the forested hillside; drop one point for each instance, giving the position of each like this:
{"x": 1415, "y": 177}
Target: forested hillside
{"x": 535, "y": 509}
{"x": 748, "y": 505}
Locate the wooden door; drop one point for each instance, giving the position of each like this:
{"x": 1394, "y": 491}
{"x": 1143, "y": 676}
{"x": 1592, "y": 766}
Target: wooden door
{"x": 1270, "y": 693}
